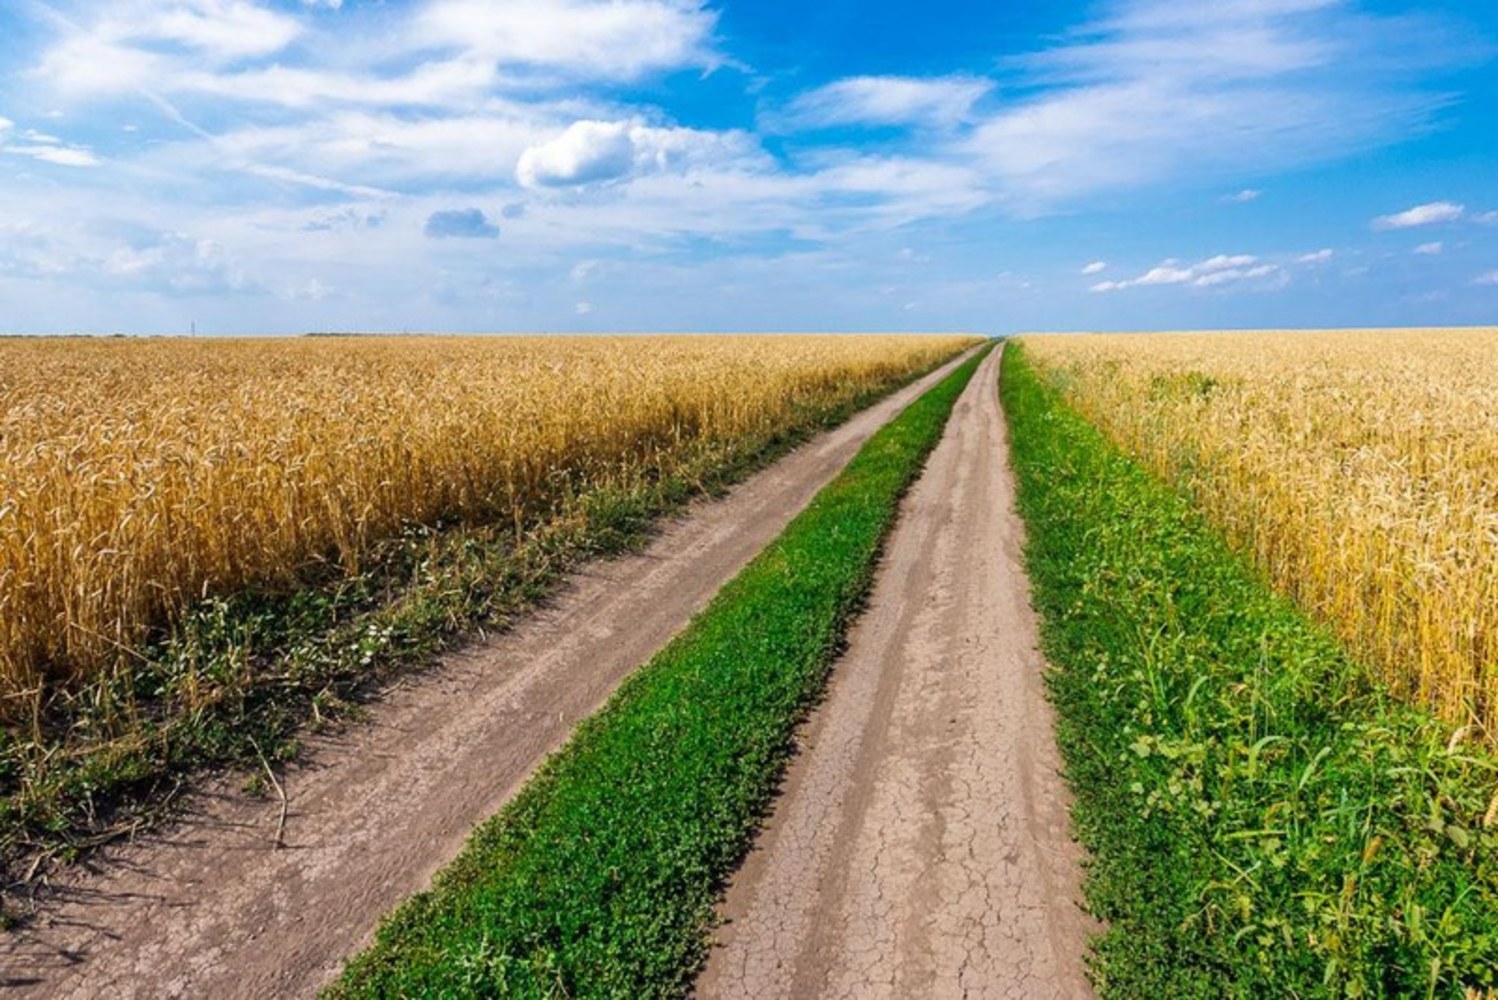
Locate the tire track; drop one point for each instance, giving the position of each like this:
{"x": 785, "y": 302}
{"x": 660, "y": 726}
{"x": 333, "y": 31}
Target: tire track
{"x": 921, "y": 845}
{"x": 210, "y": 908}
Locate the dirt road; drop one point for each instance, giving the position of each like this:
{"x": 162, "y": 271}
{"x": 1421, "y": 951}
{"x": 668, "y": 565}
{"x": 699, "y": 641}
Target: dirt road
{"x": 920, "y": 846}
{"x": 210, "y": 908}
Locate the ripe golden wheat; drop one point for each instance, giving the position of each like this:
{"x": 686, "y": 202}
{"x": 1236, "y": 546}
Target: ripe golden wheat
{"x": 137, "y": 476}
{"x": 1358, "y": 469}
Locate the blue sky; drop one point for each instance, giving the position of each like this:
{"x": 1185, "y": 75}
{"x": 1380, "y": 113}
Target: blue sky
{"x": 573, "y": 165}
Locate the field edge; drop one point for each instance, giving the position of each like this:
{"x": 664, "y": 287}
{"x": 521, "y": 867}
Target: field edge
{"x": 311, "y": 657}
{"x": 1262, "y": 820}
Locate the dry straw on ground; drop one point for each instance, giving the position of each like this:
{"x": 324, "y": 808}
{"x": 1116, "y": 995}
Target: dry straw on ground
{"x": 136, "y": 476}
{"x": 1359, "y": 469}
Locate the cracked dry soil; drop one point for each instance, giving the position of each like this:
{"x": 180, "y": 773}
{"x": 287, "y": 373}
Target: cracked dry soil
{"x": 920, "y": 845}
{"x": 208, "y": 908}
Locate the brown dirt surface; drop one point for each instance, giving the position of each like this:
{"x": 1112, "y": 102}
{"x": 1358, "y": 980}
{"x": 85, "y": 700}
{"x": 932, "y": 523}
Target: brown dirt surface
{"x": 209, "y": 906}
{"x": 920, "y": 845}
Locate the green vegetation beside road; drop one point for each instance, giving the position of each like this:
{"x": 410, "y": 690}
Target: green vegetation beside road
{"x": 600, "y": 878}
{"x": 1263, "y": 821}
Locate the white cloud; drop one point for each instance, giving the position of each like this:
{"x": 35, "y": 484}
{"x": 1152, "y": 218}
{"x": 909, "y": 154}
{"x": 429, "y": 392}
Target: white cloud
{"x": 940, "y": 102}
{"x": 65, "y": 157}
{"x": 613, "y": 39}
{"x": 596, "y": 152}
{"x": 1316, "y": 257}
{"x": 1421, "y": 215}
{"x": 1219, "y": 270}
{"x": 1430, "y": 249}
{"x": 1244, "y": 196}
{"x": 1096, "y": 267}
{"x": 583, "y": 308}
{"x": 1486, "y": 219}
{"x": 1156, "y": 89}
{"x": 1490, "y": 278}
{"x": 43, "y": 147}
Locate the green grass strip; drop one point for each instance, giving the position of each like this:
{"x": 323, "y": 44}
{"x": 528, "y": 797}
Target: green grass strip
{"x": 1263, "y": 821}
{"x": 600, "y": 878}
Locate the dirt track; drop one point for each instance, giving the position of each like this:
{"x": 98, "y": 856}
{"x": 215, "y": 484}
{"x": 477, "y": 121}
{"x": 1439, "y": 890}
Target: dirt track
{"x": 209, "y": 908}
{"x": 920, "y": 846}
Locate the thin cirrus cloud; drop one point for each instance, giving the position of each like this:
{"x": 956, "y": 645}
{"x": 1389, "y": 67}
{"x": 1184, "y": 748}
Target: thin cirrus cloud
{"x": 1155, "y": 89}
{"x": 41, "y": 146}
{"x": 1222, "y": 269}
{"x": 1429, "y": 214}
{"x": 885, "y": 100}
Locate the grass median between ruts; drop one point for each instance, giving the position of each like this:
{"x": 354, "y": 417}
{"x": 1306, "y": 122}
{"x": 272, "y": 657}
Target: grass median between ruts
{"x": 600, "y": 878}
{"x": 1263, "y": 821}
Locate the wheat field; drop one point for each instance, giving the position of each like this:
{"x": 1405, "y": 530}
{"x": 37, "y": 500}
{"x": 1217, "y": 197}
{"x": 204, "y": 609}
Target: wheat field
{"x": 1358, "y": 469}
{"x": 137, "y": 476}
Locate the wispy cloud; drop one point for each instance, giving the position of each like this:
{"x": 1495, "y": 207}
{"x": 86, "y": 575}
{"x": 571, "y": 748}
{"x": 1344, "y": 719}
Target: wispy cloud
{"x": 41, "y": 146}
{"x": 1155, "y": 89}
{"x": 1421, "y": 215}
{"x": 1316, "y": 256}
{"x": 885, "y": 100}
{"x": 1490, "y": 278}
{"x": 1430, "y": 249}
{"x": 1096, "y": 267}
{"x": 1244, "y": 196}
{"x": 1222, "y": 269}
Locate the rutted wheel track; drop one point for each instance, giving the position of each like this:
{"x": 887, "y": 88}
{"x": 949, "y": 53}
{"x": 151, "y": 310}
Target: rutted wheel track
{"x": 920, "y": 846}
{"x": 210, "y": 908}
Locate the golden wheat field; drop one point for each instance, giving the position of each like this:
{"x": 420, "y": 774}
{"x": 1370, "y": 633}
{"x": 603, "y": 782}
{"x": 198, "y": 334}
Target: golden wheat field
{"x": 136, "y": 476}
{"x": 1359, "y": 469}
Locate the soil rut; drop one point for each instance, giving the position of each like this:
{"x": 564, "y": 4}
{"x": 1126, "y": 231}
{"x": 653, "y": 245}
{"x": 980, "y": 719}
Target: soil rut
{"x": 920, "y": 846}
{"x": 210, "y": 908}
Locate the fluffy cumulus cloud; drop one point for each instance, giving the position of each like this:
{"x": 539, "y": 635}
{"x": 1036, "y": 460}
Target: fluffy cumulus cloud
{"x": 595, "y": 152}
{"x": 459, "y": 223}
{"x": 1429, "y": 214}
{"x": 1222, "y": 269}
{"x": 886, "y": 100}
